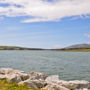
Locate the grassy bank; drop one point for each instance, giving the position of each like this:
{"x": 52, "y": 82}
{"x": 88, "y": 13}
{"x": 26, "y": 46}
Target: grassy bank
{"x": 6, "y": 85}
{"x": 81, "y": 50}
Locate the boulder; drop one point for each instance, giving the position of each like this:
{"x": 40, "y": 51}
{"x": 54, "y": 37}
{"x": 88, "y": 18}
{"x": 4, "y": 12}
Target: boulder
{"x": 23, "y": 76}
{"x": 38, "y": 76}
{"x": 13, "y": 78}
{"x": 35, "y": 84}
{"x": 13, "y": 75}
{"x": 4, "y": 71}
{"x": 55, "y": 87}
{"x": 76, "y": 84}
{"x": 2, "y": 77}
{"x": 52, "y": 79}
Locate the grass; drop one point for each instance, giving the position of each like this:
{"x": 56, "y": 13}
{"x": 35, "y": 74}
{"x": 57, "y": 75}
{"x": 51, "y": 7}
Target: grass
{"x": 81, "y": 50}
{"x": 6, "y": 85}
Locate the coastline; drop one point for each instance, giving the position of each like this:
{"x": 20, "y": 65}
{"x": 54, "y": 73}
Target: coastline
{"x": 38, "y": 80}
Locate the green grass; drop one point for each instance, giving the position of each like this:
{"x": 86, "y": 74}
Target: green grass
{"x": 81, "y": 50}
{"x": 6, "y": 85}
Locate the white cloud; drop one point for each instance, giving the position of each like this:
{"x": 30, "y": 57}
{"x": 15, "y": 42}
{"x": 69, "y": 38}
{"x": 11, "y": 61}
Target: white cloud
{"x": 41, "y": 10}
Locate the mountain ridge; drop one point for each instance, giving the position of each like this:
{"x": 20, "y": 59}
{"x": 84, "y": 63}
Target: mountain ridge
{"x": 78, "y": 46}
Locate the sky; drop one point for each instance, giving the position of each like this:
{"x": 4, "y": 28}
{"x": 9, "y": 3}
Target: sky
{"x": 44, "y": 23}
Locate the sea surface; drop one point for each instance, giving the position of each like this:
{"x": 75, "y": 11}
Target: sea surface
{"x": 68, "y": 65}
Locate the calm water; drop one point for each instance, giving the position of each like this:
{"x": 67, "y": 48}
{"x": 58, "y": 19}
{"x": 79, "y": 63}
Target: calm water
{"x": 68, "y": 65}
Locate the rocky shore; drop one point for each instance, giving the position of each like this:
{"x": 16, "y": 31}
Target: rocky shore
{"x": 38, "y": 80}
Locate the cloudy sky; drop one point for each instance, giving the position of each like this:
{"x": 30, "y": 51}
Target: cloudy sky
{"x": 44, "y": 23}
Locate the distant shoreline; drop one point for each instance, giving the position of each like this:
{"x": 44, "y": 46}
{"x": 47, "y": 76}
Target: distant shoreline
{"x": 39, "y": 49}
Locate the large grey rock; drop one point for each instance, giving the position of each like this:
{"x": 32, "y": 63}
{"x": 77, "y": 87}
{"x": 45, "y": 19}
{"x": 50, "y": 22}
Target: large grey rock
{"x": 9, "y": 71}
{"x": 13, "y": 75}
{"x": 23, "y": 76}
{"x": 55, "y": 87}
{"x": 34, "y": 83}
{"x": 38, "y": 76}
{"x": 76, "y": 84}
{"x": 2, "y": 77}
{"x": 13, "y": 78}
{"x": 52, "y": 79}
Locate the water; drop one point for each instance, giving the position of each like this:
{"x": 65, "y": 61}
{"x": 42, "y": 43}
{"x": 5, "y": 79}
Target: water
{"x": 68, "y": 65}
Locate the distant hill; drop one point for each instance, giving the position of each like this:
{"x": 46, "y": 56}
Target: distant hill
{"x": 81, "y": 46}
{"x": 17, "y": 48}
{"x": 77, "y": 47}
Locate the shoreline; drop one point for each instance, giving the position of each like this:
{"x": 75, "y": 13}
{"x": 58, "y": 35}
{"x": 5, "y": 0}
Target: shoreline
{"x": 38, "y": 80}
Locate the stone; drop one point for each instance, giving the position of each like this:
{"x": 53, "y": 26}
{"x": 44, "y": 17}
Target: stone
{"x": 76, "y": 84}
{"x": 13, "y": 78}
{"x": 2, "y": 77}
{"x": 9, "y": 71}
{"x": 23, "y": 76}
{"x": 38, "y": 76}
{"x": 79, "y": 84}
{"x": 35, "y": 84}
{"x": 52, "y": 79}
{"x": 55, "y": 87}
{"x": 13, "y": 75}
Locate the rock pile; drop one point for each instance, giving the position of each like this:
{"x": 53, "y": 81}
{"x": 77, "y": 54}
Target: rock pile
{"x": 39, "y": 80}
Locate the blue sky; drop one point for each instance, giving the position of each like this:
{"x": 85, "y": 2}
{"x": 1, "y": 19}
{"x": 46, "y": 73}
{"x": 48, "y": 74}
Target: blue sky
{"x": 26, "y": 30}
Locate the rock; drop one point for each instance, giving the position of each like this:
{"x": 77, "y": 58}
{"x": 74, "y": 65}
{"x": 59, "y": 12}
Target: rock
{"x": 13, "y": 78}
{"x": 13, "y": 75}
{"x": 55, "y": 87}
{"x": 38, "y": 76}
{"x": 2, "y": 77}
{"x": 9, "y": 71}
{"x": 76, "y": 84}
{"x": 52, "y": 79}
{"x": 23, "y": 76}
{"x": 35, "y": 84}
{"x": 39, "y": 80}
{"x": 79, "y": 84}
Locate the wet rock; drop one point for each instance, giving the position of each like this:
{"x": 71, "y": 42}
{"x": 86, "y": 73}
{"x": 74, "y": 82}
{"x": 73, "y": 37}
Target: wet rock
{"x": 34, "y": 83}
{"x": 55, "y": 87}
{"x": 38, "y": 76}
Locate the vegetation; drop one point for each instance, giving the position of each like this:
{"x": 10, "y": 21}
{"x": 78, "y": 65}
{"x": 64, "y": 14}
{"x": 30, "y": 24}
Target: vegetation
{"x": 80, "y": 47}
{"x": 17, "y": 48}
{"x": 6, "y": 85}
{"x": 73, "y": 50}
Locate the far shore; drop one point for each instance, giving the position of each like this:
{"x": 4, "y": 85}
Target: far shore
{"x": 39, "y": 49}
